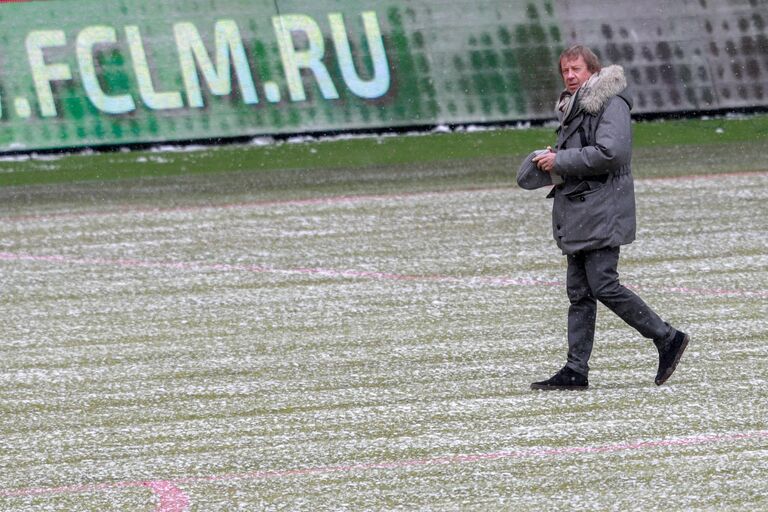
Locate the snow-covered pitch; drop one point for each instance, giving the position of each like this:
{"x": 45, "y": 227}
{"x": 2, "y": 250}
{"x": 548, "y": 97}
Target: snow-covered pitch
{"x": 365, "y": 341}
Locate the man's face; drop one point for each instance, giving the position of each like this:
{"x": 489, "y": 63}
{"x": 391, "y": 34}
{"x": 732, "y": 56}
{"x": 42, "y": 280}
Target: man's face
{"x": 574, "y": 72}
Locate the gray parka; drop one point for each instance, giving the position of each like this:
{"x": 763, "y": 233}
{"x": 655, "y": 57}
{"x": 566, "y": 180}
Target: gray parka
{"x": 594, "y": 207}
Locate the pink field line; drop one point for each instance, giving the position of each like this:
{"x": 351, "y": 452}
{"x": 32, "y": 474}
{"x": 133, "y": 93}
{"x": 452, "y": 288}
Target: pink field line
{"x": 710, "y": 176}
{"x": 329, "y": 200}
{"x": 248, "y": 205}
{"x": 171, "y": 498}
{"x": 257, "y": 269}
{"x": 348, "y": 274}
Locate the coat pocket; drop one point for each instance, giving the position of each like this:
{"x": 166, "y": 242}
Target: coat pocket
{"x": 587, "y": 211}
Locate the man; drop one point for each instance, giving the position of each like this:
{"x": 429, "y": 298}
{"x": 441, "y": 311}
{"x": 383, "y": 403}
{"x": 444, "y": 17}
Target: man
{"x": 594, "y": 213}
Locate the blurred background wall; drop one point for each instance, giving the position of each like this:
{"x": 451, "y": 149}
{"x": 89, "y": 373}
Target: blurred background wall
{"x": 681, "y": 56}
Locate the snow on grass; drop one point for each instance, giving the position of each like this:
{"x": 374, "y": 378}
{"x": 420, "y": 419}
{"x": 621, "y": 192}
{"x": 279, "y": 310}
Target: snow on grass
{"x": 255, "y": 352}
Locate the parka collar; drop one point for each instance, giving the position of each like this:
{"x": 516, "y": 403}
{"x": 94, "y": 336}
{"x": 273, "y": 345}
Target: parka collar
{"x": 593, "y": 94}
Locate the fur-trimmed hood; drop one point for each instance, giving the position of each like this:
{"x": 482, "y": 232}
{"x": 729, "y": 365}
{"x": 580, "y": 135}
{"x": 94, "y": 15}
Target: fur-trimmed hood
{"x": 602, "y": 86}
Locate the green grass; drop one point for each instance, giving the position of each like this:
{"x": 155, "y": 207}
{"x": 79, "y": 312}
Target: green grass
{"x": 652, "y": 137}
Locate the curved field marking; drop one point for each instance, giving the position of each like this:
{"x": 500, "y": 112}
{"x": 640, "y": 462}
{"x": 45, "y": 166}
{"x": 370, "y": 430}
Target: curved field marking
{"x": 478, "y": 281}
{"x": 172, "y": 499}
{"x": 699, "y": 440}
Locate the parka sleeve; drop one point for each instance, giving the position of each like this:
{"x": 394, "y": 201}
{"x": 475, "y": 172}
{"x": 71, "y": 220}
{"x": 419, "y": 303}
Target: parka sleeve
{"x": 612, "y": 148}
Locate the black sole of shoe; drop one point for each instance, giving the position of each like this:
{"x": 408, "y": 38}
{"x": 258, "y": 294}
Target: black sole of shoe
{"x": 661, "y": 380}
{"x": 541, "y": 387}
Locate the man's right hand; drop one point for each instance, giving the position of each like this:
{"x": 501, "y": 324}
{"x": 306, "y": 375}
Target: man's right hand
{"x": 545, "y": 161}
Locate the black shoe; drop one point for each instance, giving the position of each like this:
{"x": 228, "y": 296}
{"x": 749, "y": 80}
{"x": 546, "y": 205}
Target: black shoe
{"x": 564, "y": 379}
{"x": 669, "y": 355}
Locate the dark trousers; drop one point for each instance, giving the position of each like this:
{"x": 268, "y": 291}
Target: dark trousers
{"x": 593, "y": 276}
